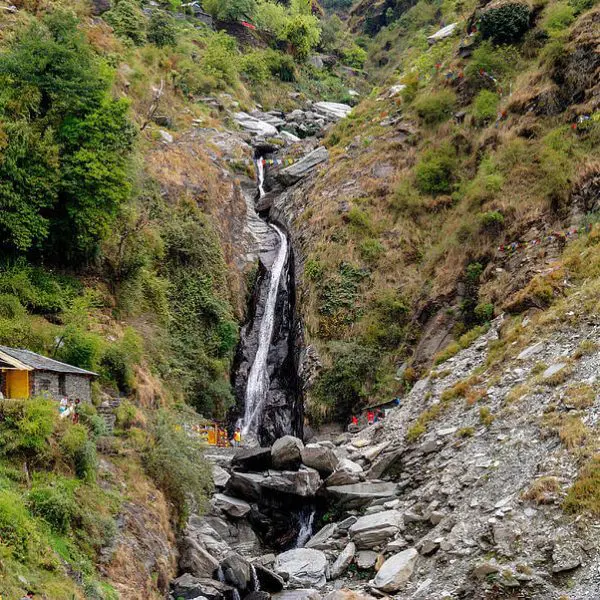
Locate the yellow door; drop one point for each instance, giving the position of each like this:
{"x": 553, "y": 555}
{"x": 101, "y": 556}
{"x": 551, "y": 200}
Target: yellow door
{"x": 17, "y": 384}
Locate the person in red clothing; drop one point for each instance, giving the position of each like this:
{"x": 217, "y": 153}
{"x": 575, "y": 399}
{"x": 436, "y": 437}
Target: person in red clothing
{"x": 354, "y": 420}
{"x": 370, "y": 417}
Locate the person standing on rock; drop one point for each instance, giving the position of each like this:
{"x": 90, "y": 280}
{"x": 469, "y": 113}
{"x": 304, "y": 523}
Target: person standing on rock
{"x": 370, "y": 417}
{"x": 237, "y": 437}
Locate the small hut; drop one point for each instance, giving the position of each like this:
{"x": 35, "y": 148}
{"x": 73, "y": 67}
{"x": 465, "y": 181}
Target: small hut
{"x": 24, "y": 374}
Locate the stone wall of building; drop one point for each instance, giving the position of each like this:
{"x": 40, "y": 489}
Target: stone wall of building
{"x": 78, "y": 386}
{"x": 44, "y": 383}
{"x": 58, "y": 384}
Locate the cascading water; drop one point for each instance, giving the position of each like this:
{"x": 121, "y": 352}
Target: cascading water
{"x": 255, "y": 581}
{"x": 306, "y": 527}
{"x": 258, "y": 380}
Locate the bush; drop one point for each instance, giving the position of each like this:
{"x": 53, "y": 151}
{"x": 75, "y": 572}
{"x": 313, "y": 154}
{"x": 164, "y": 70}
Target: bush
{"x": 89, "y": 417}
{"x": 436, "y": 107}
{"x": 128, "y": 21}
{"x": 81, "y": 349}
{"x": 485, "y": 106}
{"x": 491, "y": 221}
{"x": 218, "y": 59}
{"x": 435, "y": 170}
{"x": 126, "y": 415}
{"x": 230, "y": 10}
{"x": 505, "y": 24}
{"x": 580, "y": 6}
{"x": 497, "y": 60}
{"x": 175, "y": 463}
{"x": 371, "y": 249}
{"x": 359, "y": 220}
{"x": 17, "y": 530}
{"x": 354, "y": 56}
{"x": 302, "y": 33}
{"x": 161, "y": 29}
{"x": 79, "y": 451}
{"x": 484, "y": 312}
{"x": 54, "y": 504}
{"x": 558, "y": 17}
{"x": 254, "y": 67}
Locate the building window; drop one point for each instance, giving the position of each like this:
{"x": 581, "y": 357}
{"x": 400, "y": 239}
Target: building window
{"x": 62, "y": 384}
{"x": 44, "y": 385}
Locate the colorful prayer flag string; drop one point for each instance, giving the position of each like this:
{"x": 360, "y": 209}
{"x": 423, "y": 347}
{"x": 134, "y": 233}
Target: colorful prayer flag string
{"x": 556, "y": 235}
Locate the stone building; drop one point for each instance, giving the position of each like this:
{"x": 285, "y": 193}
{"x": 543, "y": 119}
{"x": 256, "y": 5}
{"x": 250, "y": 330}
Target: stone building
{"x": 24, "y": 374}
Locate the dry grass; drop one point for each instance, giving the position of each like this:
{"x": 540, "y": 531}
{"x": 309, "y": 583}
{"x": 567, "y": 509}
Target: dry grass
{"x": 579, "y": 396}
{"x": 573, "y": 433}
{"x": 543, "y": 490}
{"x": 584, "y": 494}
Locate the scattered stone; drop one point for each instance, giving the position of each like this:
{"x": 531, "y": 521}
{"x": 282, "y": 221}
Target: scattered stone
{"x": 365, "y": 559}
{"x": 347, "y": 473}
{"x": 268, "y": 580}
{"x": 165, "y": 136}
{"x": 436, "y": 517}
{"x": 346, "y": 523}
{"x": 252, "y": 459}
{"x": 234, "y": 507}
{"x": 372, "y": 530}
{"x": 531, "y": 351}
{"x": 254, "y": 125}
{"x": 320, "y": 540}
{"x": 484, "y": 569}
{"x": 304, "y": 594}
{"x": 564, "y": 558}
{"x": 396, "y": 545}
{"x": 236, "y": 571}
{"x": 553, "y": 370}
{"x": 333, "y": 110}
{"x": 347, "y": 595}
{"x": 442, "y": 34}
{"x": 427, "y": 547}
{"x": 396, "y": 571}
{"x": 300, "y": 169}
{"x": 302, "y": 567}
{"x": 343, "y": 561}
{"x": 188, "y": 586}
{"x": 360, "y": 494}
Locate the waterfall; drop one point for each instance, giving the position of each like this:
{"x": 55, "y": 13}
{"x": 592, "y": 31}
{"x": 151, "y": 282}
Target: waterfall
{"x": 258, "y": 379}
{"x": 306, "y": 527}
{"x": 255, "y": 581}
{"x": 220, "y": 574}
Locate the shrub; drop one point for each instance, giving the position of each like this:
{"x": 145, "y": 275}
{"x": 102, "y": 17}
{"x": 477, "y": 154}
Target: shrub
{"x": 255, "y": 67}
{"x": 491, "y": 221}
{"x": 128, "y": 21}
{"x": 126, "y": 415}
{"x": 161, "y": 29}
{"x": 218, "y": 59}
{"x": 174, "y": 461}
{"x": 496, "y": 60}
{"x": 485, "y": 106}
{"x": 359, "y": 220}
{"x": 484, "y": 312}
{"x": 558, "y": 17}
{"x": 371, "y": 249}
{"x": 354, "y": 56}
{"x": 435, "y": 170}
{"x": 79, "y": 451}
{"x": 54, "y": 504}
{"x": 436, "y": 107}
{"x": 584, "y": 494}
{"x": 580, "y": 6}
{"x": 505, "y": 24}
{"x": 302, "y": 33}
{"x": 485, "y": 416}
{"x": 81, "y": 349}
{"x": 89, "y": 417}
{"x": 313, "y": 269}
{"x": 230, "y": 10}
{"x": 17, "y": 530}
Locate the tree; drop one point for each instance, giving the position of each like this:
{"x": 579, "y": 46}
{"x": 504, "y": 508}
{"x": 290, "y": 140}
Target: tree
{"x": 95, "y": 179}
{"x": 161, "y": 29}
{"x": 28, "y": 184}
{"x": 128, "y": 21}
{"x": 302, "y": 34}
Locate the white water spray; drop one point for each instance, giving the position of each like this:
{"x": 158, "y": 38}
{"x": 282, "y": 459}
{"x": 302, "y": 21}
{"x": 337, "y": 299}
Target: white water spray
{"x": 306, "y": 528}
{"x": 258, "y": 380}
{"x": 255, "y": 581}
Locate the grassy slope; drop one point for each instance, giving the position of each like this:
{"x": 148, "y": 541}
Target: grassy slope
{"x": 422, "y": 206}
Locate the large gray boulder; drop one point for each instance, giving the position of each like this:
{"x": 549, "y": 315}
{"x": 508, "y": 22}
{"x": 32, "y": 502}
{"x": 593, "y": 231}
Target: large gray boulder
{"x": 346, "y": 473}
{"x": 321, "y": 540}
{"x": 195, "y": 559}
{"x": 252, "y": 459}
{"x": 188, "y": 587}
{"x": 396, "y": 571}
{"x": 320, "y": 458}
{"x": 357, "y": 495}
{"x": 220, "y": 476}
{"x": 234, "y": 507}
{"x": 286, "y": 453}
{"x": 376, "y": 529}
{"x": 305, "y": 482}
{"x": 297, "y": 171}
{"x": 246, "y": 485}
{"x": 302, "y": 567}
{"x": 268, "y": 580}
{"x": 236, "y": 571}
{"x": 304, "y": 594}
{"x": 343, "y": 561}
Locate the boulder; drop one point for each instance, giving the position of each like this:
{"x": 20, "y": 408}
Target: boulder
{"x": 194, "y": 559}
{"x": 302, "y": 567}
{"x": 236, "y": 571}
{"x": 220, "y": 476}
{"x": 253, "y": 125}
{"x": 347, "y": 595}
{"x": 346, "y": 473}
{"x": 286, "y": 453}
{"x": 258, "y": 596}
{"x": 375, "y": 529}
{"x": 232, "y": 506}
{"x": 292, "y": 174}
{"x": 357, "y": 495}
{"x": 245, "y": 485}
{"x": 332, "y": 110}
{"x": 252, "y": 459}
{"x": 343, "y": 561}
{"x": 188, "y": 587}
{"x": 305, "y": 482}
{"x": 365, "y": 559}
{"x": 320, "y": 540}
{"x": 320, "y": 458}
{"x": 396, "y": 571}
{"x": 268, "y": 580}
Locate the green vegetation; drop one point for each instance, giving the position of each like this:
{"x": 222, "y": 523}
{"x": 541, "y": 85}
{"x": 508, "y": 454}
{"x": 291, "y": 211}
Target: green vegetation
{"x": 505, "y": 24}
{"x": 434, "y": 172}
{"x": 437, "y": 107}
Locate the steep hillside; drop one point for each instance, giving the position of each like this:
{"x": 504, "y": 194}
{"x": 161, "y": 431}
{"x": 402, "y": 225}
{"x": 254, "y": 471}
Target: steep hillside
{"x": 450, "y": 195}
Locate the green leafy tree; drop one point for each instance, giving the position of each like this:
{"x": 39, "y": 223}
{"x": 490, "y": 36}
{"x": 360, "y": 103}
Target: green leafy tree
{"x": 505, "y": 24}
{"x": 302, "y": 33}
{"x": 28, "y": 184}
{"x": 161, "y": 29}
{"x": 95, "y": 178}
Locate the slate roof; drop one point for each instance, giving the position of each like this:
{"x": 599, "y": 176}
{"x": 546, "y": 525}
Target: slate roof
{"x": 43, "y": 363}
